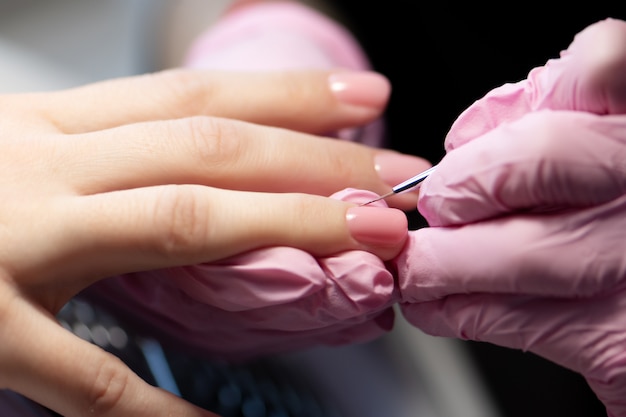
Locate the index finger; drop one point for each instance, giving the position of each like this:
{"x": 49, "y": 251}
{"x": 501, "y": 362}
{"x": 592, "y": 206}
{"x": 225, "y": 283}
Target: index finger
{"x": 308, "y": 101}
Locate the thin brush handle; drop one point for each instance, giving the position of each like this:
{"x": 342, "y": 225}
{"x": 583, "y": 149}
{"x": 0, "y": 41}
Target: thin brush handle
{"x": 405, "y": 185}
{"x": 413, "y": 181}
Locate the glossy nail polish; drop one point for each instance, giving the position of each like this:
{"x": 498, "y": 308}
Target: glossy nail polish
{"x": 377, "y": 225}
{"x": 394, "y": 167}
{"x": 364, "y": 89}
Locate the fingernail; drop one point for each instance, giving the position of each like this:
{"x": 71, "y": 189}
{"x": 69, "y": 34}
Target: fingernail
{"x": 366, "y": 89}
{"x": 377, "y": 225}
{"x": 394, "y": 167}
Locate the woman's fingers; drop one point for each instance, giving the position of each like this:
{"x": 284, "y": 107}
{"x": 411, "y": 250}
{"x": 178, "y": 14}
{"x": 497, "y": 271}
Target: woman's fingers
{"x": 73, "y": 378}
{"x": 309, "y": 101}
{"x": 226, "y": 154}
{"x": 158, "y": 227}
{"x": 218, "y": 152}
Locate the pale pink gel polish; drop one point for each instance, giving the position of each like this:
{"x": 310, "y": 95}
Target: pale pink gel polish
{"x": 393, "y": 167}
{"x": 365, "y": 89}
{"x": 377, "y": 225}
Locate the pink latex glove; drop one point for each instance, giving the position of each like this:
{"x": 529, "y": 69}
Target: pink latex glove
{"x": 265, "y": 301}
{"x": 527, "y": 247}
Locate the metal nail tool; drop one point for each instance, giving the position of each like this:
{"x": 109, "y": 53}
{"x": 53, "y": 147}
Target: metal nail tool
{"x": 406, "y": 185}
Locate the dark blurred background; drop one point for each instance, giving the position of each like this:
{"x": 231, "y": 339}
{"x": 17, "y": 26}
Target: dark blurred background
{"x": 440, "y": 57}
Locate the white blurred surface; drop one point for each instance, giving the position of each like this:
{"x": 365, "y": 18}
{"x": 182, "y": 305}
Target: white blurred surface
{"x": 47, "y": 45}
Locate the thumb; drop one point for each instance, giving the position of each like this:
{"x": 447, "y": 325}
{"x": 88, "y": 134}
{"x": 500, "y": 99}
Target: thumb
{"x": 46, "y": 363}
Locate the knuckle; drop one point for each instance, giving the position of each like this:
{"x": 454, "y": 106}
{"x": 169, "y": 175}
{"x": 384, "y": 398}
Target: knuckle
{"x": 184, "y": 89}
{"x": 182, "y": 222}
{"x": 108, "y": 387}
{"x": 213, "y": 141}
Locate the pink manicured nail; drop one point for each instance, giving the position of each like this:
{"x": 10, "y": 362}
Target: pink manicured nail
{"x": 377, "y": 225}
{"x": 393, "y": 167}
{"x": 366, "y": 89}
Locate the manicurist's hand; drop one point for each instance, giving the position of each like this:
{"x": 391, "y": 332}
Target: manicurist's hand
{"x": 528, "y": 210}
{"x": 152, "y": 172}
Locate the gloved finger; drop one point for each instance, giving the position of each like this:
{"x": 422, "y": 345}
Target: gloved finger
{"x": 46, "y": 363}
{"x": 545, "y": 161}
{"x": 227, "y": 154}
{"x": 571, "y": 254}
{"x": 327, "y": 317}
{"x": 310, "y": 101}
{"x": 196, "y": 324}
{"x": 166, "y": 226}
{"x": 288, "y": 279}
{"x": 590, "y": 76}
{"x": 585, "y": 335}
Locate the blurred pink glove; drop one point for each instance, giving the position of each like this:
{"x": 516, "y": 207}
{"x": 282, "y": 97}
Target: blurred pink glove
{"x": 266, "y": 301}
{"x": 527, "y": 247}
{"x": 281, "y": 36}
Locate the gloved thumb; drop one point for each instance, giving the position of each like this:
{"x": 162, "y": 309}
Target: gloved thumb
{"x": 589, "y": 76}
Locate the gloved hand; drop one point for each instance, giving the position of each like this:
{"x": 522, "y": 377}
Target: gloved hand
{"x": 266, "y": 301}
{"x": 528, "y": 215}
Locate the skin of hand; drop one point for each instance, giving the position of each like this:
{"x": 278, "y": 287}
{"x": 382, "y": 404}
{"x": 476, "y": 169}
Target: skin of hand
{"x": 153, "y": 172}
{"x": 528, "y": 212}
{"x": 263, "y": 302}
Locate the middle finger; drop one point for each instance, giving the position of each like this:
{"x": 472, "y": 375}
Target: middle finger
{"x": 228, "y": 154}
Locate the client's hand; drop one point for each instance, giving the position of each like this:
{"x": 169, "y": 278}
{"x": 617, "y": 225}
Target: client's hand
{"x": 529, "y": 213}
{"x": 262, "y": 302}
{"x": 132, "y": 175}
